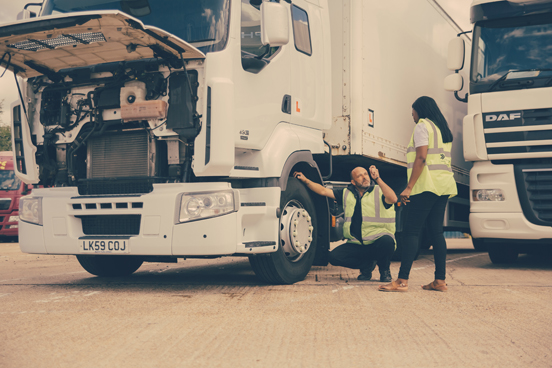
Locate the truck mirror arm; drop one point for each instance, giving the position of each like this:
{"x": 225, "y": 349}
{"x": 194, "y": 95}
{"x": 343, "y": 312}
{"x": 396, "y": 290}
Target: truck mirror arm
{"x": 465, "y": 99}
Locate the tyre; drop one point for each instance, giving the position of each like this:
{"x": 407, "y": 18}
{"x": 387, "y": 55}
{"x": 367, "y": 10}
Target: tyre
{"x": 110, "y": 266}
{"x": 501, "y": 254}
{"x": 480, "y": 245}
{"x": 297, "y": 241}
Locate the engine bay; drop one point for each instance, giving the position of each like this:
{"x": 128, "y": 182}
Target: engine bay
{"x": 122, "y": 124}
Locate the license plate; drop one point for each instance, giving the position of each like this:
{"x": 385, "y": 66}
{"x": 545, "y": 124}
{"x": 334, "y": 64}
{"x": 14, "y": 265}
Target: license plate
{"x": 107, "y": 246}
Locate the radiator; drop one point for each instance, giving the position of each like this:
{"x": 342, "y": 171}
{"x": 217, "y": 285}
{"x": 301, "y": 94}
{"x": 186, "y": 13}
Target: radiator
{"x": 121, "y": 155}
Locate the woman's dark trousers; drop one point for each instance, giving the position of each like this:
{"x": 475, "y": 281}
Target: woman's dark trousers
{"x": 424, "y": 207}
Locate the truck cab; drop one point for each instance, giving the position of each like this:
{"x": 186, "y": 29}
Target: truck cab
{"x": 508, "y": 128}
{"x": 171, "y": 130}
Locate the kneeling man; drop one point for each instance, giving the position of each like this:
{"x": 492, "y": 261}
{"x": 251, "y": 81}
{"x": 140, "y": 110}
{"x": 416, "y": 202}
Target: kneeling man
{"x": 369, "y": 222}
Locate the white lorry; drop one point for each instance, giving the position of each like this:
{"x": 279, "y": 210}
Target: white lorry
{"x": 171, "y": 129}
{"x": 508, "y": 129}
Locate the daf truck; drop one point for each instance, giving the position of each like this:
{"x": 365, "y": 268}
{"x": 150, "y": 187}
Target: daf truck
{"x": 172, "y": 129}
{"x": 508, "y": 128}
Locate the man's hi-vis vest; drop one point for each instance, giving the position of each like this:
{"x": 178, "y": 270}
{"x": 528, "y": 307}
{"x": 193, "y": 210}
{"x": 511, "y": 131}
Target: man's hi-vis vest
{"x": 437, "y": 174}
{"x": 376, "y": 219}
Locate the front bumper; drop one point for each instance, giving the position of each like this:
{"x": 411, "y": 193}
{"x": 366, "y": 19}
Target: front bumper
{"x": 251, "y": 229}
{"x": 506, "y": 226}
{"x": 500, "y": 219}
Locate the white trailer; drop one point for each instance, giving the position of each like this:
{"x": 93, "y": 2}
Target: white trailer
{"x": 171, "y": 129}
{"x": 508, "y": 129}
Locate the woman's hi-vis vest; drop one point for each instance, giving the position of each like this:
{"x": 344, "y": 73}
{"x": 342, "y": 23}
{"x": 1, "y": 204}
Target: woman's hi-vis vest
{"x": 377, "y": 220}
{"x": 437, "y": 174}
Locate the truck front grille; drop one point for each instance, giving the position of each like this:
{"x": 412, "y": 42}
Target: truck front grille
{"x": 539, "y": 191}
{"x": 5, "y": 204}
{"x": 117, "y": 186}
{"x": 521, "y": 134}
{"x": 111, "y": 224}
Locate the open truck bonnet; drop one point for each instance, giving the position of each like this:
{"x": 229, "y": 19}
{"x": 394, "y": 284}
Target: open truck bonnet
{"x": 46, "y": 45}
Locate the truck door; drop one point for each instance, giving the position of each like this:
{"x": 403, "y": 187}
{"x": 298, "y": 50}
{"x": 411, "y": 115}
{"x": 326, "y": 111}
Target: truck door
{"x": 262, "y": 83}
{"x": 307, "y": 67}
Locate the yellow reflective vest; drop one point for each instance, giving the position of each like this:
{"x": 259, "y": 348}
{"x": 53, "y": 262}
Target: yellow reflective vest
{"x": 377, "y": 220}
{"x": 437, "y": 174}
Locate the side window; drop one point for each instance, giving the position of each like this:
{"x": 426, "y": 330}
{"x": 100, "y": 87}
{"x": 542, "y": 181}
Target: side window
{"x": 251, "y": 29}
{"x": 301, "y": 31}
{"x": 254, "y": 55}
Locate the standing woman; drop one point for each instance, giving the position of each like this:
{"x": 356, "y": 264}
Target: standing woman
{"x": 430, "y": 184}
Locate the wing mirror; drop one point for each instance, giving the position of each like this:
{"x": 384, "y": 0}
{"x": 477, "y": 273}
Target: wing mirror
{"x": 454, "y": 82}
{"x": 274, "y": 24}
{"x": 455, "y": 61}
{"x": 26, "y": 13}
{"x": 455, "y": 57}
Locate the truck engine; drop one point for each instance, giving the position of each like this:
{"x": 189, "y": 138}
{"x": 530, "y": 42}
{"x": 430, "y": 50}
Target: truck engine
{"x": 116, "y": 130}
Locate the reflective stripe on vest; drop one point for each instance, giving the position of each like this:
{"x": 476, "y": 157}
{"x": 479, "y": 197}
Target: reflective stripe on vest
{"x": 377, "y": 220}
{"x": 436, "y": 176}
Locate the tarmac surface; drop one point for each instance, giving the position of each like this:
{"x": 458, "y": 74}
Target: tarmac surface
{"x": 215, "y": 313}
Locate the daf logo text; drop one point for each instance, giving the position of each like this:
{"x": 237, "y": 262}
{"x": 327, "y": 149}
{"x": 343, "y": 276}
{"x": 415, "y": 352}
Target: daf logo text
{"x": 501, "y": 117}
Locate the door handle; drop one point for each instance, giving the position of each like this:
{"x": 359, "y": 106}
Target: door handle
{"x": 286, "y": 104}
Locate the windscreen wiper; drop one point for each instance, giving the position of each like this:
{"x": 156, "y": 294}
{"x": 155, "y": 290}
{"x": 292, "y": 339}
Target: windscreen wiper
{"x": 502, "y": 78}
{"x": 505, "y": 76}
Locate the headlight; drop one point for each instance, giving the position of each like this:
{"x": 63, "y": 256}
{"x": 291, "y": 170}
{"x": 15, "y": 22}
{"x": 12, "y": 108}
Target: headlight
{"x": 194, "y": 206}
{"x": 30, "y": 209}
{"x": 488, "y": 195}
{"x": 13, "y": 219}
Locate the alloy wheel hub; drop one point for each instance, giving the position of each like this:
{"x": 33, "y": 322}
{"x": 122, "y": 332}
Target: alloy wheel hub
{"x": 296, "y": 232}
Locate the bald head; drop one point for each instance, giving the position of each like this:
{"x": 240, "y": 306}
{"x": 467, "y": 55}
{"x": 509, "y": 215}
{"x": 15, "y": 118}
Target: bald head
{"x": 357, "y": 171}
{"x": 360, "y": 178}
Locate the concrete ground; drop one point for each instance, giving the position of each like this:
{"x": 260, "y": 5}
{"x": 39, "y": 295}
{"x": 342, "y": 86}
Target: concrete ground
{"x": 215, "y": 313}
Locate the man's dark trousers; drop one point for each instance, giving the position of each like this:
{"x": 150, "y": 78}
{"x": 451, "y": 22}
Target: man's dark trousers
{"x": 362, "y": 257}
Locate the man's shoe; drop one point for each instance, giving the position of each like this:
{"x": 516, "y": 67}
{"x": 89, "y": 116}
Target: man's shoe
{"x": 365, "y": 276}
{"x": 385, "y": 276}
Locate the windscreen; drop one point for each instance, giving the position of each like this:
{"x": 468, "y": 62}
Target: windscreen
{"x": 502, "y": 48}
{"x": 8, "y": 180}
{"x": 203, "y": 23}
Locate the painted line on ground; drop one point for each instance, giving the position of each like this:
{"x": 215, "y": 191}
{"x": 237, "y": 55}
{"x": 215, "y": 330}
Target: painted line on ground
{"x": 449, "y": 261}
{"x": 344, "y": 288}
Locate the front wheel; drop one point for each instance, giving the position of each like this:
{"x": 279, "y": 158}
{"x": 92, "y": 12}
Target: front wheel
{"x": 500, "y": 254}
{"x": 110, "y": 266}
{"x": 297, "y": 241}
{"x": 480, "y": 245}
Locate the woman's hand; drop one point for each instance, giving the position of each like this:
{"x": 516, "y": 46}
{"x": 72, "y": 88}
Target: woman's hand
{"x": 405, "y": 195}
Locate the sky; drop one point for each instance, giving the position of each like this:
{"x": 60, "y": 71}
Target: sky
{"x": 9, "y": 10}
